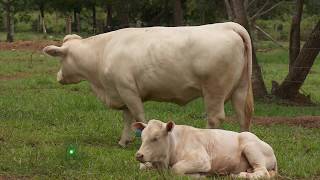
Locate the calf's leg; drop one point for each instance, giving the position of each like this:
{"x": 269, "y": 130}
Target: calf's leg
{"x": 257, "y": 160}
{"x": 195, "y": 166}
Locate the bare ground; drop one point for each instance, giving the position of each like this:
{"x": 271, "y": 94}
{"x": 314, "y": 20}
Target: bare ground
{"x": 303, "y": 121}
{"x": 28, "y": 45}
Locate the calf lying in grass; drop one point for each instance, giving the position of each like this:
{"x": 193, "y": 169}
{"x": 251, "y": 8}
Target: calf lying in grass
{"x": 197, "y": 152}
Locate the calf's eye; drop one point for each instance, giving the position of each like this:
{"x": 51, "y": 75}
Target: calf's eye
{"x": 154, "y": 139}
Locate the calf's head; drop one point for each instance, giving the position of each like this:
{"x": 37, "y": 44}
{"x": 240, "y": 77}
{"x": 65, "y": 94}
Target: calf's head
{"x": 155, "y": 141}
{"x": 70, "y": 72}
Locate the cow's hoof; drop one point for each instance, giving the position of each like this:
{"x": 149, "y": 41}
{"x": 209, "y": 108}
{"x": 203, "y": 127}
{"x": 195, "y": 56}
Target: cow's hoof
{"x": 145, "y": 166}
{"x": 124, "y": 143}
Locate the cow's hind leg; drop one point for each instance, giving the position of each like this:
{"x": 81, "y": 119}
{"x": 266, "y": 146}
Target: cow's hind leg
{"x": 257, "y": 160}
{"x": 238, "y": 99}
{"x": 214, "y": 104}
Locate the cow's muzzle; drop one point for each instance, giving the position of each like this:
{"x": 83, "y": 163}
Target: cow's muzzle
{"x": 139, "y": 157}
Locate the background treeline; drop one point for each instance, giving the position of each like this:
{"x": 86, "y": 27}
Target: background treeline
{"x": 89, "y": 17}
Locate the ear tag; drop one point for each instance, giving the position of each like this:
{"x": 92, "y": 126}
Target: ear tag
{"x": 138, "y": 132}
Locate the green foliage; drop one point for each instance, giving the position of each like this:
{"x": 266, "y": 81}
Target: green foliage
{"x": 40, "y": 120}
{"x": 307, "y": 25}
{"x": 204, "y": 12}
{"x": 278, "y": 29}
{"x": 312, "y": 7}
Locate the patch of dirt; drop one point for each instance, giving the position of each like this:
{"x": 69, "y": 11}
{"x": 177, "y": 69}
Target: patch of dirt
{"x": 28, "y": 45}
{"x": 4, "y": 177}
{"x": 304, "y": 121}
{"x": 14, "y": 76}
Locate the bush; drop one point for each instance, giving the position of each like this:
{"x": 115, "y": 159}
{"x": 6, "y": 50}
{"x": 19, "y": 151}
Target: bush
{"x": 279, "y": 29}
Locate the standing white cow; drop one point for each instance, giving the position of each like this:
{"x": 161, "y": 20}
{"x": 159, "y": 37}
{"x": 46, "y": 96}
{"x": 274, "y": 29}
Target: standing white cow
{"x": 172, "y": 64}
{"x": 196, "y": 152}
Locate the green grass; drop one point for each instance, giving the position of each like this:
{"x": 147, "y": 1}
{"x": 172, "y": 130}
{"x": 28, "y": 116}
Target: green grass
{"x": 40, "y": 119}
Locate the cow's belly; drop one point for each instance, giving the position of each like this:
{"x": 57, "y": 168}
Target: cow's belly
{"x": 179, "y": 94}
{"x": 181, "y": 98}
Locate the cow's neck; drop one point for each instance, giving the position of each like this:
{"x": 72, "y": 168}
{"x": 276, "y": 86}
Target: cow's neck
{"x": 95, "y": 54}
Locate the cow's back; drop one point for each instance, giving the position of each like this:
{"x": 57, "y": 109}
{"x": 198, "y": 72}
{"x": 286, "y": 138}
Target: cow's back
{"x": 173, "y": 63}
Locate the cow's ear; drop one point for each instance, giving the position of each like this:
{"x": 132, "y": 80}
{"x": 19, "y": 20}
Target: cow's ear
{"x": 138, "y": 125}
{"x": 170, "y": 126}
{"x": 54, "y": 50}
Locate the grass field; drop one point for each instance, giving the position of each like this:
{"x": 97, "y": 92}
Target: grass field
{"x": 40, "y": 120}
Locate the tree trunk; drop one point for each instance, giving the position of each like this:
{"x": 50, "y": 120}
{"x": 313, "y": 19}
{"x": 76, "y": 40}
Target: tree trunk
{"x": 76, "y": 16}
{"x": 4, "y": 17}
{"x": 44, "y": 30}
{"x": 229, "y": 10}
{"x": 94, "y": 19}
{"x": 68, "y": 24}
{"x": 108, "y": 27}
{"x": 300, "y": 67}
{"x": 124, "y": 14}
{"x": 178, "y": 17}
{"x": 78, "y": 20}
{"x": 258, "y": 86}
{"x": 9, "y": 26}
{"x": 294, "y": 46}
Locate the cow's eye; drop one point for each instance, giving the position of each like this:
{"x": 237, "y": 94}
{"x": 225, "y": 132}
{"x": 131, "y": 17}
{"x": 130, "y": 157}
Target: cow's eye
{"x": 154, "y": 139}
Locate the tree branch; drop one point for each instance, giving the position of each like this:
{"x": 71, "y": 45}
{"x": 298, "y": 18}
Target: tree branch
{"x": 268, "y": 36}
{"x": 266, "y": 11}
{"x": 257, "y": 14}
{"x": 251, "y": 2}
{"x": 229, "y": 10}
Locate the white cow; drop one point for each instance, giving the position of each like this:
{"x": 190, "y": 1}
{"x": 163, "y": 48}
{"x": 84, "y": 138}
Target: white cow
{"x": 196, "y": 152}
{"x": 172, "y": 64}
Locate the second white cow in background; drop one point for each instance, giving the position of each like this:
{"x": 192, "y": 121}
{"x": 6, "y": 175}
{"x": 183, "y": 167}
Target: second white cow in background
{"x": 172, "y": 64}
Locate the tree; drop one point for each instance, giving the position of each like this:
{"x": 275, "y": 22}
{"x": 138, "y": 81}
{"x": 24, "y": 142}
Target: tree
{"x": 8, "y": 7}
{"x": 108, "y": 10}
{"x": 41, "y": 4}
{"x": 294, "y": 45}
{"x": 178, "y": 16}
{"x": 76, "y": 15}
{"x": 289, "y": 88}
{"x": 240, "y": 16}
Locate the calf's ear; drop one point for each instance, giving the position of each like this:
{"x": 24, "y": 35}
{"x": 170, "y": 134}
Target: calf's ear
{"x": 138, "y": 125}
{"x": 54, "y": 50}
{"x": 170, "y": 126}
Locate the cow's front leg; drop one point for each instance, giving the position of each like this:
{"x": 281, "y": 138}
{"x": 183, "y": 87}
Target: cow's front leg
{"x": 126, "y": 136}
{"x": 133, "y": 112}
{"x": 195, "y": 168}
{"x": 133, "y": 102}
{"x": 146, "y": 166}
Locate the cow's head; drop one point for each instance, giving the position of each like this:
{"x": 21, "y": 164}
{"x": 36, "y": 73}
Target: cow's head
{"x": 69, "y": 73}
{"x": 155, "y": 141}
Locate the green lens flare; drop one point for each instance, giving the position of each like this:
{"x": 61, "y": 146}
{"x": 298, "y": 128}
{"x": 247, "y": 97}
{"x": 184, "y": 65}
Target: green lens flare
{"x": 71, "y": 151}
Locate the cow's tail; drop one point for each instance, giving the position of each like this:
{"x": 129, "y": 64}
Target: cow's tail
{"x": 249, "y": 107}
